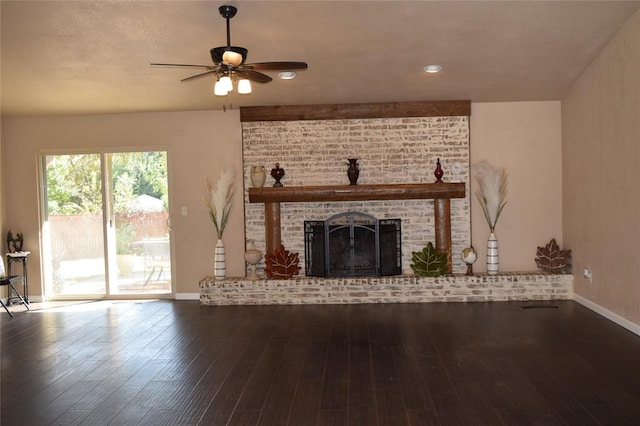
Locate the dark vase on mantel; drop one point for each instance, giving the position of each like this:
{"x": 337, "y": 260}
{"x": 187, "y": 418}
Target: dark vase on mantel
{"x": 353, "y": 171}
{"x": 277, "y": 173}
{"x": 438, "y": 172}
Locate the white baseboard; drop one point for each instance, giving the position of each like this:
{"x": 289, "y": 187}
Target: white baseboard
{"x": 612, "y": 316}
{"x": 187, "y": 296}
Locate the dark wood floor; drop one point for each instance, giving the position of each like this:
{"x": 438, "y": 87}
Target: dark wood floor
{"x": 174, "y": 362}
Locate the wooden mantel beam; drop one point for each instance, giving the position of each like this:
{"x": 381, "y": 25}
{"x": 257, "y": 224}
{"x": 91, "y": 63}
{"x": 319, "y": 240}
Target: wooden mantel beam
{"x": 355, "y": 111}
{"x": 310, "y": 194}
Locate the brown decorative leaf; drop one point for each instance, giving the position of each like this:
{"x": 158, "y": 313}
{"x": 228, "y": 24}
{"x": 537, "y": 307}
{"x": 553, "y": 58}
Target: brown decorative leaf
{"x": 551, "y": 259}
{"x": 281, "y": 264}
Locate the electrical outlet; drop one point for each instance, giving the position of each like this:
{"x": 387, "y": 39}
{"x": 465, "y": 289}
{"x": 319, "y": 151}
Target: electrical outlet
{"x": 587, "y": 275}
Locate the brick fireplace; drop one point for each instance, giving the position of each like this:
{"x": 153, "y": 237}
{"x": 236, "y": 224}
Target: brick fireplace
{"x": 396, "y": 145}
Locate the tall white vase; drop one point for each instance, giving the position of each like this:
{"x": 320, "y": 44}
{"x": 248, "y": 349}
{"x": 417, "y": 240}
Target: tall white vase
{"x": 493, "y": 263}
{"x": 219, "y": 261}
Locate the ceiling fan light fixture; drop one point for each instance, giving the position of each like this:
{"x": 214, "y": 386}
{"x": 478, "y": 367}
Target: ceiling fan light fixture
{"x": 244, "y": 86}
{"x": 287, "y": 75}
{"x": 226, "y": 83}
{"x": 219, "y": 89}
{"x": 229, "y": 55}
{"x": 232, "y": 58}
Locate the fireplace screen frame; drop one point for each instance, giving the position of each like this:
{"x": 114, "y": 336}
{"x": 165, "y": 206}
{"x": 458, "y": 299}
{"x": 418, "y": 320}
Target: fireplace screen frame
{"x": 356, "y": 227}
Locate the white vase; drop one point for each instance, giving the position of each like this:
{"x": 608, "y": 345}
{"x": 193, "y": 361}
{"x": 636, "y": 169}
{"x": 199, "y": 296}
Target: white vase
{"x": 219, "y": 261}
{"x": 252, "y": 256}
{"x": 493, "y": 263}
{"x": 258, "y": 175}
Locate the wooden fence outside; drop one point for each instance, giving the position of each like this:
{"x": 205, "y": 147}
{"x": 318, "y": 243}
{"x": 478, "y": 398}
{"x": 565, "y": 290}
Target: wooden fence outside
{"x": 79, "y": 237}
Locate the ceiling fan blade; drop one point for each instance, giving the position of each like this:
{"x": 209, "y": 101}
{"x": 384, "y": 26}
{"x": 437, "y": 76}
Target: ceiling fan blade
{"x": 205, "y": 67}
{"x": 252, "y": 75}
{"x": 277, "y": 66}
{"x": 199, "y": 75}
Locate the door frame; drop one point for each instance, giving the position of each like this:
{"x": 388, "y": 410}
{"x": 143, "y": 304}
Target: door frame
{"x": 109, "y": 258}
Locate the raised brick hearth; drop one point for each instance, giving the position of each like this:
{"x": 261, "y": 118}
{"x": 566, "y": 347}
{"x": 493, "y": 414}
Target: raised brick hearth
{"x": 395, "y": 289}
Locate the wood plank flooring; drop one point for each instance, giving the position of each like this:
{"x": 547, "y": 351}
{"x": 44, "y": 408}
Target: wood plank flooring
{"x": 177, "y": 363}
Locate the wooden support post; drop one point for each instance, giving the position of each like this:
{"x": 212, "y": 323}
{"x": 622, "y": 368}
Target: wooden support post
{"x": 442, "y": 211}
{"x": 272, "y": 227}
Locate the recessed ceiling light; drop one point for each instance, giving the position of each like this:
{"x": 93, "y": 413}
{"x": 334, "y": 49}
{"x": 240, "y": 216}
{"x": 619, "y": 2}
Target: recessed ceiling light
{"x": 432, "y": 69}
{"x": 287, "y": 75}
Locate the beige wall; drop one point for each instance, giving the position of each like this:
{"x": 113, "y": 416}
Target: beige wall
{"x": 525, "y": 139}
{"x": 2, "y": 192}
{"x": 198, "y": 145}
{"x": 3, "y": 290}
{"x": 601, "y": 173}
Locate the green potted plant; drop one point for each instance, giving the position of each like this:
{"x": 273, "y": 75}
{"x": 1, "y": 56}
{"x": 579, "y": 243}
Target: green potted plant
{"x": 126, "y": 252}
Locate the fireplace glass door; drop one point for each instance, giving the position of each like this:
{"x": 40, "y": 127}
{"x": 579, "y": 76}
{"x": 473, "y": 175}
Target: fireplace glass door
{"x": 352, "y": 245}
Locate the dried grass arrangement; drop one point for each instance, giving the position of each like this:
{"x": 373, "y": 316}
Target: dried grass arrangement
{"x": 492, "y": 191}
{"x": 219, "y": 201}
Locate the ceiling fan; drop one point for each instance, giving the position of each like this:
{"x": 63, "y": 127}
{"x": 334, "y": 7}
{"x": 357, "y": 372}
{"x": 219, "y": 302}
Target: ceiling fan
{"x": 229, "y": 64}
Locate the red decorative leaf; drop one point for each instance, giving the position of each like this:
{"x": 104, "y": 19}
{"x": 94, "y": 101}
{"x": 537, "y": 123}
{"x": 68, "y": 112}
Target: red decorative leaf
{"x": 281, "y": 264}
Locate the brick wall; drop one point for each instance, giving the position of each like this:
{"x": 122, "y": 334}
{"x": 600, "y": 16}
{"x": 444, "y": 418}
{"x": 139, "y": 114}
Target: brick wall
{"x": 390, "y": 150}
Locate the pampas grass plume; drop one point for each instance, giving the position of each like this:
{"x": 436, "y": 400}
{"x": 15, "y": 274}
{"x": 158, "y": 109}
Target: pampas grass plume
{"x": 219, "y": 201}
{"x": 492, "y": 191}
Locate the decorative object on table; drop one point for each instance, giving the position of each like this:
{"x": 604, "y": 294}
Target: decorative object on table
{"x": 469, "y": 256}
{"x": 219, "y": 202}
{"x": 252, "y": 256}
{"x": 277, "y": 173}
{"x": 353, "y": 171}
{"x": 281, "y": 264}
{"x": 551, "y": 259}
{"x": 258, "y": 175}
{"x": 491, "y": 194}
{"x": 438, "y": 173}
{"x": 430, "y": 262}
{"x": 14, "y": 245}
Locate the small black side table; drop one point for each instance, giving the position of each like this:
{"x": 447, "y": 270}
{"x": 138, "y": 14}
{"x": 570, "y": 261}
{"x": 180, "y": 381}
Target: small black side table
{"x": 19, "y": 256}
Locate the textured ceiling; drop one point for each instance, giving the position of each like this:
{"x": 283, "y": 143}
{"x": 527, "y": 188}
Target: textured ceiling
{"x": 61, "y": 57}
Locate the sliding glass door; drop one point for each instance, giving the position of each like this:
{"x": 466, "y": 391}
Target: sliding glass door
{"x": 106, "y": 225}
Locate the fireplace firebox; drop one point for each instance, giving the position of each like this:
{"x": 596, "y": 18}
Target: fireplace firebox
{"x": 353, "y": 244}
